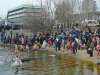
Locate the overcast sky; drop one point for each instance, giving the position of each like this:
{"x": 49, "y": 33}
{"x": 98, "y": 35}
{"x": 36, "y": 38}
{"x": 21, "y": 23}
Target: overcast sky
{"x": 5, "y": 5}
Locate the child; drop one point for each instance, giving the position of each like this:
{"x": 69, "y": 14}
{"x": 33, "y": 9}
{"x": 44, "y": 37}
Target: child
{"x": 17, "y": 63}
{"x": 49, "y": 42}
{"x": 98, "y": 49}
{"x": 63, "y": 44}
{"x": 90, "y": 49}
{"x": 17, "y": 50}
{"x": 35, "y": 46}
{"x": 69, "y": 46}
{"x": 22, "y": 47}
{"x": 27, "y": 49}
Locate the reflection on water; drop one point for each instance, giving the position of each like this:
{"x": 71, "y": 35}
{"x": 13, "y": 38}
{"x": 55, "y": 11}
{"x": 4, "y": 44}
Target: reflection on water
{"x": 61, "y": 64}
{"x": 98, "y": 69}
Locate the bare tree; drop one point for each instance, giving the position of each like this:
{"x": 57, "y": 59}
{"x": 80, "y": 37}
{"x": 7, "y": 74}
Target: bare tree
{"x": 64, "y": 12}
{"x": 38, "y": 21}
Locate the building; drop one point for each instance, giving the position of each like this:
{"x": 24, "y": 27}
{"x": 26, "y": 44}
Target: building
{"x": 89, "y": 8}
{"x": 80, "y": 17}
{"x": 20, "y": 15}
{"x": 29, "y": 17}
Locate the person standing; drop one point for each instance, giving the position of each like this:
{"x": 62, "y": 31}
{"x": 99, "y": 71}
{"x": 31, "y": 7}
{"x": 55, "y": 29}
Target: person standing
{"x": 98, "y": 50}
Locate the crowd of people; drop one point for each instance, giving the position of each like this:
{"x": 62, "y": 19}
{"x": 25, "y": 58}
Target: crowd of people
{"x": 70, "y": 41}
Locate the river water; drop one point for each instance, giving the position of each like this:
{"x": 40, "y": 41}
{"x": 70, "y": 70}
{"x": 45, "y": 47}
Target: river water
{"x": 48, "y": 63}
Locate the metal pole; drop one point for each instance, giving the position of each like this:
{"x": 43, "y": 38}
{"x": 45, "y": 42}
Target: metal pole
{"x": 41, "y": 14}
{"x": 11, "y": 37}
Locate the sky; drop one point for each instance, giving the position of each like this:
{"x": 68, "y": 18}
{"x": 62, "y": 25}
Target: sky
{"x": 98, "y": 3}
{"x": 5, "y": 5}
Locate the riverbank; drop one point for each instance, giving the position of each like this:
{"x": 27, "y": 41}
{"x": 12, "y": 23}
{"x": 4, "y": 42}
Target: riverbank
{"x": 81, "y": 55}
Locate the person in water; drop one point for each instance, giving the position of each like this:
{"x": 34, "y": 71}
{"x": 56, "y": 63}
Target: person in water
{"x": 17, "y": 64}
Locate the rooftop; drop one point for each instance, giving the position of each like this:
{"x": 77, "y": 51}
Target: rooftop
{"x": 23, "y": 6}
